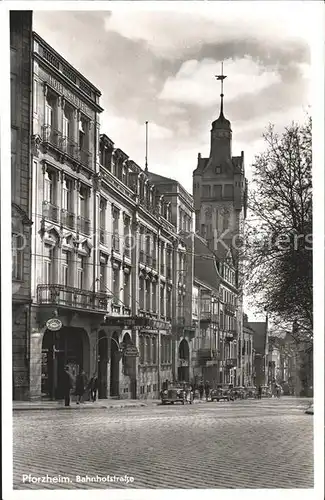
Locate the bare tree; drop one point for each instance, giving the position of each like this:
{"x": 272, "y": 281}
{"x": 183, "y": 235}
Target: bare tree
{"x": 278, "y": 247}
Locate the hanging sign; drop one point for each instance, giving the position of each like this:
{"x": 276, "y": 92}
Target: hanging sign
{"x": 54, "y": 324}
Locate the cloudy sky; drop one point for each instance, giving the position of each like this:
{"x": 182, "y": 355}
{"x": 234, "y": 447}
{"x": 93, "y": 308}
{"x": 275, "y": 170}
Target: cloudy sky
{"x": 158, "y": 64}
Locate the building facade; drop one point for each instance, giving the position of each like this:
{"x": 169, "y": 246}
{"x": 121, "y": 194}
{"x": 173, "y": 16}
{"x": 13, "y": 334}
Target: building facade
{"x": 220, "y": 197}
{"x": 20, "y": 76}
{"x": 67, "y": 309}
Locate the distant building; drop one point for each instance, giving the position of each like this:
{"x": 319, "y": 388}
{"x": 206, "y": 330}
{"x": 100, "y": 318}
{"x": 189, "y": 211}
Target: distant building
{"x": 260, "y": 346}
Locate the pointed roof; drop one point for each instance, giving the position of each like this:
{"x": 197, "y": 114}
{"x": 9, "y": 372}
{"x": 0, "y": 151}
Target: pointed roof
{"x": 205, "y": 266}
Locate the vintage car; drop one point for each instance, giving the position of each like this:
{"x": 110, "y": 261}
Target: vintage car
{"x": 238, "y": 392}
{"x": 221, "y": 393}
{"x": 250, "y": 392}
{"x": 176, "y": 394}
{"x": 266, "y": 391}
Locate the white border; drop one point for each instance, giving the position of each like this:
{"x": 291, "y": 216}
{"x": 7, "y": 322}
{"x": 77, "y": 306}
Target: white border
{"x": 318, "y": 172}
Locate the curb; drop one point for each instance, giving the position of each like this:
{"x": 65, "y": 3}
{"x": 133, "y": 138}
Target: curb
{"x": 77, "y": 408}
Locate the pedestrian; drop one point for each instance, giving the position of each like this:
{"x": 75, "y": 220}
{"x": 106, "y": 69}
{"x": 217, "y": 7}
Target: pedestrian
{"x": 81, "y": 384}
{"x": 207, "y": 389}
{"x": 201, "y": 389}
{"x": 93, "y": 387}
{"x": 278, "y": 391}
{"x": 67, "y": 383}
{"x": 259, "y": 392}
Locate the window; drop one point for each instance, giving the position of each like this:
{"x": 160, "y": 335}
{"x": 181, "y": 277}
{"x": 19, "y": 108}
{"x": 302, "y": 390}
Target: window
{"x": 162, "y": 301}
{"x": 147, "y": 350}
{"x": 141, "y": 349}
{"x": 229, "y": 191}
{"x": 148, "y": 295}
{"x": 13, "y": 98}
{"x": 83, "y": 202}
{"x": 49, "y": 111}
{"x": 66, "y": 195}
{"x": 154, "y": 350}
{"x": 141, "y": 293}
{"x": 83, "y": 133}
{"x": 49, "y": 187}
{"x": 169, "y": 303}
{"x": 67, "y": 122}
{"x": 217, "y": 191}
{"x": 206, "y": 191}
{"x": 14, "y": 170}
{"x": 48, "y": 265}
{"x": 80, "y": 272}
{"x": 154, "y": 297}
{"x": 116, "y": 285}
{"x": 126, "y": 294}
{"x": 17, "y": 257}
{"x": 65, "y": 268}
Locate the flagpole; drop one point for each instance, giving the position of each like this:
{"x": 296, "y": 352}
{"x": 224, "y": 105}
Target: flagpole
{"x": 146, "y": 161}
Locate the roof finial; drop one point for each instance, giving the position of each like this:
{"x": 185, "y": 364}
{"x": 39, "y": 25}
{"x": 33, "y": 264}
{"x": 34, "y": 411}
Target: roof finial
{"x": 221, "y": 77}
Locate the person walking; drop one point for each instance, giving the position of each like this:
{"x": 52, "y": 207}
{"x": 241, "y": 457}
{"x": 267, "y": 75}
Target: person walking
{"x": 259, "y": 392}
{"x": 81, "y": 384}
{"x": 67, "y": 383}
{"x": 201, "y": 389}
{"x": 207, "y": 390}
{"x": 93, "y": 387}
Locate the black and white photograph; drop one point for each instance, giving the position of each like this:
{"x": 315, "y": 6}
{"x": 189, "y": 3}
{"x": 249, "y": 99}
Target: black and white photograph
{"x": 164, "y": 221}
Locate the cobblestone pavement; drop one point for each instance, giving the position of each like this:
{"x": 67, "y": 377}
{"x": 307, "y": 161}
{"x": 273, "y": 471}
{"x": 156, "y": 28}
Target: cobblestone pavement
{"x": 242, "y": 444}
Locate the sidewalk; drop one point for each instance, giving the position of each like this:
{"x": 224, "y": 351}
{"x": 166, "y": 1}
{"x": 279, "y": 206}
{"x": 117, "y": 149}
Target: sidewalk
{"x": 99, "y": 404}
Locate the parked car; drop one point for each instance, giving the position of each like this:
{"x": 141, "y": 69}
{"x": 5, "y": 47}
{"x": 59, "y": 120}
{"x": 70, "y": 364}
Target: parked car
{"x": 266, "y": 391}
{"x": 221, "y": 393}
{"x": 176, "y": 394}
{"x": 238, "y": 392}
{"x": 250, "y": 392}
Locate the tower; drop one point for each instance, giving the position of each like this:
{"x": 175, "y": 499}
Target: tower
{"x": 220, "y": 187}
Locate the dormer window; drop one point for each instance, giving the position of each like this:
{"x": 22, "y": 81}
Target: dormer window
{"x": 218, "y": 170}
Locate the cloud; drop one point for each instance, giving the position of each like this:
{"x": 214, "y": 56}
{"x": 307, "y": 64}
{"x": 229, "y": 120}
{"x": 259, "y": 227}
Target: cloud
{"x": 195, "y": 82}
{"x": 170, "y": 30}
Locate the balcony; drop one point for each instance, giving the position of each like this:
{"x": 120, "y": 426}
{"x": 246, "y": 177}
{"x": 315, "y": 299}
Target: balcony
{"x": 67, "y": 219}
{"x": 231, "y": 363}
{"x": 205, "y": 317}
{"x": 230, "y": 309}
{"x": 207, "y": 354}
{"x": 50, "y": 212}
{"x": 66, "y": 145}
{"x": 74, "y": 298}
{"x": 116, "y": 243}
{"x": 83, "y": 225}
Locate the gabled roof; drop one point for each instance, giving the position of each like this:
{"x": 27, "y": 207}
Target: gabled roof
{"x": 205, "y": 267}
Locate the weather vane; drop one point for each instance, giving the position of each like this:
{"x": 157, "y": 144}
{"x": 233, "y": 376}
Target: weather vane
{"x": 221, "y": 78}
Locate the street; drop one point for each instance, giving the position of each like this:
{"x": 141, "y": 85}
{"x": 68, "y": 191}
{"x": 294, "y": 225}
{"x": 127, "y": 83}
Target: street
{"x": 242, "y": 444}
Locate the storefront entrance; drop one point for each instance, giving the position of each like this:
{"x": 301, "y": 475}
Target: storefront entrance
{"x": 183, "y": 361}
{"x": 115, "y": 365}
{"x": 102, "y": 365}
{"x": 68, "y": 346}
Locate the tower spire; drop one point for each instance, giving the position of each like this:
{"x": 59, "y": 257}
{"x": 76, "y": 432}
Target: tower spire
{"x": 221, "y": 78}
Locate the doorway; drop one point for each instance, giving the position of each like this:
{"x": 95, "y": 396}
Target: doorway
{"x": 102, "y": 365}
{"x": 184, "y": 357}
{"x": 115, "y": 366}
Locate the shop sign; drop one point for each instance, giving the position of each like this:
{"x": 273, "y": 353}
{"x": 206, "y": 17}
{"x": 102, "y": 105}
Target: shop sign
{"x": 54, "y": 324}
{"x": 131, "y": 351}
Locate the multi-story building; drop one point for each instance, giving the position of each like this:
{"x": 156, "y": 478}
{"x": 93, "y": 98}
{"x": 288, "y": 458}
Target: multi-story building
{"x": 261, "y": 351}
{"x": 20, "y": 76}
{"x": 140, "y": 252}
{"x": 67, "y": 307}
{"x": 220, "y": 192}
{"x": 246, "y": 356}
